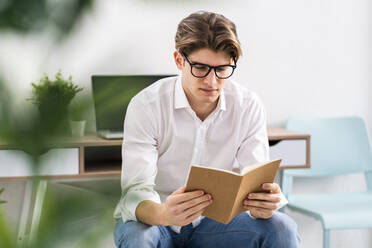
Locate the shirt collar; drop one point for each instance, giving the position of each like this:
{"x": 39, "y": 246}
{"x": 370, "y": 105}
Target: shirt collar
{"x": 222, "y": 101}
{"x": 180, "y": 99}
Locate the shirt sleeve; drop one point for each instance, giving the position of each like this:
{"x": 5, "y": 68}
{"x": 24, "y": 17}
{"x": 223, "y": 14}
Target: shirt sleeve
{"x": 255, "y": 145}
{"x": 139, "y": 159}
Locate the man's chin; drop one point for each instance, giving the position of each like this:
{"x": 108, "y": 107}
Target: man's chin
{"x": 210, "y": 99}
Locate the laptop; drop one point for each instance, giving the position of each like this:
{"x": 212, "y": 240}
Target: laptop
{"x": 111, "y": 95}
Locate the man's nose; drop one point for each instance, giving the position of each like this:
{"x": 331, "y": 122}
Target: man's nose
{"x": 211, "y": 79}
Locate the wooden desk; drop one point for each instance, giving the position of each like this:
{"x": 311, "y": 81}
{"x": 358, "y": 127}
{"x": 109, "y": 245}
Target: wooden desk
{"x": 293, "y": 148}
{"x": 92, "y": 156}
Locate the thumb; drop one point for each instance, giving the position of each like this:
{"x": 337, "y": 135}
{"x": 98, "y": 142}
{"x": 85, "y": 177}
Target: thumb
{"x": 179, "y": 191}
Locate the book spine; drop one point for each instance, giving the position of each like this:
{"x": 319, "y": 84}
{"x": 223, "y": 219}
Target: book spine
{"x": 235, "y": 207}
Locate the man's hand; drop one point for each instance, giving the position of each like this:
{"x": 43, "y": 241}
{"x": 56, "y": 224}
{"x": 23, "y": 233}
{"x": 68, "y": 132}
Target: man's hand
{"x": 182, "y": 208}
{"x": 263, "y": 205}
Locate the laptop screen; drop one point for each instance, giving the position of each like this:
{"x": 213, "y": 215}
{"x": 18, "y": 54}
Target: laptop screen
{"x": 112, "y": 95}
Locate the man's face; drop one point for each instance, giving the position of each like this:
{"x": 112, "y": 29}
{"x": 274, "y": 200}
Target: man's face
{"x": 202, "y": 90}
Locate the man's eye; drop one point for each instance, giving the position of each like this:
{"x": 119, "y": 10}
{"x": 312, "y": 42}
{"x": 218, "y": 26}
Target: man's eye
{"x": 222, "y": 68}
{"x": 201, "y": 67}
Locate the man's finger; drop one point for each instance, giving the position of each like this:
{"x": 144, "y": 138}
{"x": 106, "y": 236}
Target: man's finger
{"x": 261, "y": 204}
{"x": 183, "y": 197}
{"x": 195, "y": 201}
{"x": 272, "y": 187}
{"x": 198, "y": 207}
{"x": 195, "y": 215}
{"x": 265, "y": 197}
{"x": 179, "y": 190}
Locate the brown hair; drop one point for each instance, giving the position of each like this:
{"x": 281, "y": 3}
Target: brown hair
{"x": 207, "y": 30}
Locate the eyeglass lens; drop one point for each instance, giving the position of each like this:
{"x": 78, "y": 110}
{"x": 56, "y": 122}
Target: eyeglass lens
{"x": 203, "y": 70}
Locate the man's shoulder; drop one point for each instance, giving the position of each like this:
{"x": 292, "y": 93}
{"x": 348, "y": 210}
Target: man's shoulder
{"x": 159, "y": 90}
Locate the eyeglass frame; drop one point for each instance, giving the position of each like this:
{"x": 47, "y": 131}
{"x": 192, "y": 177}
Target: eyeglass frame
{"x": 209, "y": 66}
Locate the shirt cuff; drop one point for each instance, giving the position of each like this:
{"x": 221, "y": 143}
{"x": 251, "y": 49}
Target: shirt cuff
{"x": 283, "y": 200}
{"x": 249, "y": 214}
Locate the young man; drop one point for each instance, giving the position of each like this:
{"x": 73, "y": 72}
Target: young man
{"x": 200, "y": 117}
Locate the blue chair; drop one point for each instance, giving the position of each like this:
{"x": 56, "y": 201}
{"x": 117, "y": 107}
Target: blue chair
{"x": 339, "y": 146}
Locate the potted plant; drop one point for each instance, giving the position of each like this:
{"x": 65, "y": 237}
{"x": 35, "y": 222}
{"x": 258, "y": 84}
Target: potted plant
{"x": 76, "y": 119}
{"x": 53, "y": 97}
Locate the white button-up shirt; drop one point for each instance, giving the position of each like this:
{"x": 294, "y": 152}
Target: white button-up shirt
{"x": 163, "y": 137}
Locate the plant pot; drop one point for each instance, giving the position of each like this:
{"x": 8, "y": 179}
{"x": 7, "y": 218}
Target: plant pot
{"x": 77, "y": 128}
{"x": 53, "y": 118}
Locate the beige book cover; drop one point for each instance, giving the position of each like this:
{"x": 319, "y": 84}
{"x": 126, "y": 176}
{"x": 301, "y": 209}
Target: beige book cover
{"x": 229, "y": 189}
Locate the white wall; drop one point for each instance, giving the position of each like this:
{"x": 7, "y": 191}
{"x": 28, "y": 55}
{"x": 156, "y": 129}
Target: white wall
{"x": 303, "y": 57}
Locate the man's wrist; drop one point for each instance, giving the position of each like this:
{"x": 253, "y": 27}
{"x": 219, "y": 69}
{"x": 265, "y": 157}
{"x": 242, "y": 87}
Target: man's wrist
{"x": 151, "y": 213}
{"x": 162, "y": 215}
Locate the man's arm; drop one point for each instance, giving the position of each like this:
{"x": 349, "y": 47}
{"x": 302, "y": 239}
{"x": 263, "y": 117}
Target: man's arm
{"x": 151, "y": 213}
{"x": 140, "y": 155}
{"x": 255, "y": 149}
{"x": 140, "y": 201}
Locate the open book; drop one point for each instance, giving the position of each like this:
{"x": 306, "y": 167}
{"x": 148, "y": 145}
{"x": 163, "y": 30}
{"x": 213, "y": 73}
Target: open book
{"x": 229, "y": 189}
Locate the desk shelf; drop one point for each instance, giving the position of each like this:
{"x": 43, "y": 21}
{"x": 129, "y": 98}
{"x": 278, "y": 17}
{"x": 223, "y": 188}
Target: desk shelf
{"x": 92, "y": 156}
{"x": 102, "y": 159}
{"x": 293, "y": 148}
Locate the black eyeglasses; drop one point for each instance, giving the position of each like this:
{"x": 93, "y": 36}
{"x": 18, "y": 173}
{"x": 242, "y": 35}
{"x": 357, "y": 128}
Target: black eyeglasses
{"x": 202, "y": 70}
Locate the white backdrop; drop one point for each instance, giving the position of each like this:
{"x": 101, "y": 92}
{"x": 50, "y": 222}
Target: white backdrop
{"x": 309, "y": 58}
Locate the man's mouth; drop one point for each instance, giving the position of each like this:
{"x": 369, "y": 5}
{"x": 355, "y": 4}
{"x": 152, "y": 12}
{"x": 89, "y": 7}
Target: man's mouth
{"x": 209, "y": 90}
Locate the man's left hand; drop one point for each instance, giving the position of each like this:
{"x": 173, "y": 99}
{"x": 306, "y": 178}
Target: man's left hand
{"x": 264, "y": 205}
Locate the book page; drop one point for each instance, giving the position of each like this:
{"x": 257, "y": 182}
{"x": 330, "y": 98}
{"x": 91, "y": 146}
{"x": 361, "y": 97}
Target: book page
{"x": 217, "y": 169}
{"x": 250, "y": 168}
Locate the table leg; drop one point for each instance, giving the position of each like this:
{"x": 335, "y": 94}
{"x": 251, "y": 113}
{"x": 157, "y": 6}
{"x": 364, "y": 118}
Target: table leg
{"x": 39, "y": 199}
{"x": 26, "y": 206}
{"x": 28, "y": 199}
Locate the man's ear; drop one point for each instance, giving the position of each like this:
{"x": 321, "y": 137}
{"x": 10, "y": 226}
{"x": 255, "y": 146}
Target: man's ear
{"x": 178, "y": 59}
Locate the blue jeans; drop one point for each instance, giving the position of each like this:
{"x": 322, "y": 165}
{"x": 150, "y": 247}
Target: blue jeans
{"x": 279, "y": 231}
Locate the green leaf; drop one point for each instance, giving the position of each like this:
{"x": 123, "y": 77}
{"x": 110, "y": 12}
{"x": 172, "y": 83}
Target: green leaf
{"x": 58, "y": 92}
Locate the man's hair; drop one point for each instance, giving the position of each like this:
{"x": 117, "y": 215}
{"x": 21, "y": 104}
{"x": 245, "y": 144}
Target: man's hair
{"x": 207, "y": 30}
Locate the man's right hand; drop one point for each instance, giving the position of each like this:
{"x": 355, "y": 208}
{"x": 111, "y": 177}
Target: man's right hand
{"x": 182, "y": 208}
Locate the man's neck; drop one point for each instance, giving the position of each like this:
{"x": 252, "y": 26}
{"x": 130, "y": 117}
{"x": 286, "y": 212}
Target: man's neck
{"x": 203, "y": 110}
